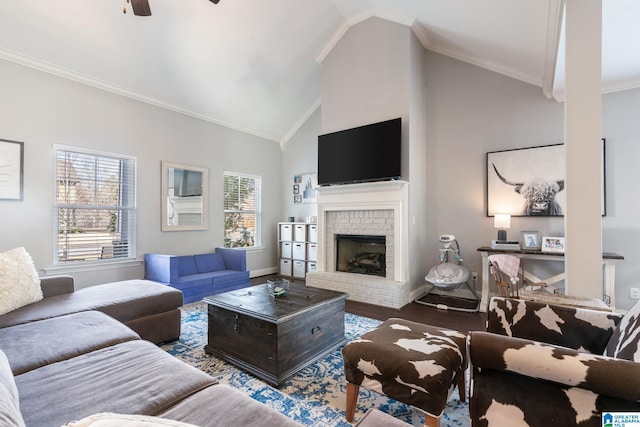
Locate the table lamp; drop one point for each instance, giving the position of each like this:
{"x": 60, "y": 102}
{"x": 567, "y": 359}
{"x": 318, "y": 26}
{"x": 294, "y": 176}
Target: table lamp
{"x": 502, "y": 222}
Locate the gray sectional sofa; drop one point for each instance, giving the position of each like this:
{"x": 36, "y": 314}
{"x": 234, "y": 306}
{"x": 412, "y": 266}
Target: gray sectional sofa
{"x": 76, "y": 354}
{"x": 150, "y": 309}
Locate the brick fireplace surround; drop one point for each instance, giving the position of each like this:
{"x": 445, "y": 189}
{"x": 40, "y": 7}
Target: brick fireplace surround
{"x": 378, "y": 208}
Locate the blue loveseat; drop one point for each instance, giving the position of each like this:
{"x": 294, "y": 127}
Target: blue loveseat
{"x": 198, "y": 276}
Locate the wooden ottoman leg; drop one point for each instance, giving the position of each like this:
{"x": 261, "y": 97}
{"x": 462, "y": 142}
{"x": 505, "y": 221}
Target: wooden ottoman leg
{"x": 431, "y": 421}
{"x": 352, "y": 400}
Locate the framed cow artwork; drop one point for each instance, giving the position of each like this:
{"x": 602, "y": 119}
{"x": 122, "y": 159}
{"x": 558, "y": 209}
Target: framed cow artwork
{"x": 530, "y": 181}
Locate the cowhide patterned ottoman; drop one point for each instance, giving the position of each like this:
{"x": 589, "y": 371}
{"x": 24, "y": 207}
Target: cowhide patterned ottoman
{"x": 407, "y": 361}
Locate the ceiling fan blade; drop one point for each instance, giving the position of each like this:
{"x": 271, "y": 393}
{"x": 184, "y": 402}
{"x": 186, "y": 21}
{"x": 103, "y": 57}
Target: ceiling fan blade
{"x": 141, "y": 7}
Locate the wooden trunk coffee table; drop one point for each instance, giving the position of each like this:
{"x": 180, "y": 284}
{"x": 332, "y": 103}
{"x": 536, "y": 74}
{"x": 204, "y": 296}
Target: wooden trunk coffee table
{"x": 275, "y": 337}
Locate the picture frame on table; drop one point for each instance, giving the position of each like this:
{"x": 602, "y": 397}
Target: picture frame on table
{"x": 553, "y": 244}
{"x": 11, "y": 170}
{"x": 531, "y": 241}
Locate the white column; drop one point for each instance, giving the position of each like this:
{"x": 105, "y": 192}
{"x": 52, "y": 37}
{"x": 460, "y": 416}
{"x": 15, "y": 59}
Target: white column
{"x": 583, "y": 133}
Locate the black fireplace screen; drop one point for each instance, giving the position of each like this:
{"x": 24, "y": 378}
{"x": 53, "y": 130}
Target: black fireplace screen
{"x": 361, "y": 254}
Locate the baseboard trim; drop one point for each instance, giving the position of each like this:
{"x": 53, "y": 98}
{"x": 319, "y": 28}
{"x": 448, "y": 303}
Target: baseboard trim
{"x": 263, "y": 272}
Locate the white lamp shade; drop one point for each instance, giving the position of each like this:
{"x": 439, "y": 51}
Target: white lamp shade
{"x": 502, "y": 221}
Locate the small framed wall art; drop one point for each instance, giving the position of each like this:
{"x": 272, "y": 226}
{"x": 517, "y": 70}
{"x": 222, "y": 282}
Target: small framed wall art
{"x": 304, "y": 188}
{"x": 11, "y": 170}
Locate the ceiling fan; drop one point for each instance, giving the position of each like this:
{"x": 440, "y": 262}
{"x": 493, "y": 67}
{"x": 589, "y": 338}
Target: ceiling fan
{"x": 141, "y": 7}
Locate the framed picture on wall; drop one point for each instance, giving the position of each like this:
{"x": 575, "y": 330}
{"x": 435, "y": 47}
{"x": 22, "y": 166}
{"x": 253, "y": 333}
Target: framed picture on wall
{"x": 11, "y": 170}
{"x": 308, "y": 184}
{"x": 531, "y": 181}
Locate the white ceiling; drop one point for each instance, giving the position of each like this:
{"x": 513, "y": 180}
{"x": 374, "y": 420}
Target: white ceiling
{"x": 254, "y": 65}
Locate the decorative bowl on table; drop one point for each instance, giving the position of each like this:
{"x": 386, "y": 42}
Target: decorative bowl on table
{"x": 278, "y": 287}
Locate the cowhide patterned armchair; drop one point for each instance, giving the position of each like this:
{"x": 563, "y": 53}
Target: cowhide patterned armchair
{"x": 543, "y": 365}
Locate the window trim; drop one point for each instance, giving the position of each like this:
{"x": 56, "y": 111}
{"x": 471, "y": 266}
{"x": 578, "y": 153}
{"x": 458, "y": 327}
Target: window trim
{"x": 257, "y": 243}
{"x": 60, "y": 266}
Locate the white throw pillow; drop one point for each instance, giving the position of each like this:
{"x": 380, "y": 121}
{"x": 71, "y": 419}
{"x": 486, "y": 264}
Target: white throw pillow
{"x": 106, "y": 419}
{"x": 19, "y": 280}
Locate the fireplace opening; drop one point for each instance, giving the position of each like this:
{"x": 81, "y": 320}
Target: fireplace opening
{"x": 361, "y": 254}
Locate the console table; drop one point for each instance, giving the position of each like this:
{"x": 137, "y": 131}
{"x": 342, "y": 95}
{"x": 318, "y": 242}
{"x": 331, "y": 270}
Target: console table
{"x": 608, "y": 261}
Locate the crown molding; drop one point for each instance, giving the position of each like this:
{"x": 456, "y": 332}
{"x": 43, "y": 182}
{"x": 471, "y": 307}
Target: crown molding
{"x": 55, "y": 70}
{"x": 370, "y": 13}
{"x": 488, "y": 65}
{"x": 620, "y": 86}
{"x": 423, "y": 36}
{"x": 303, "y": 119}
{"x": 555, "y": 22}
{"x": 421, "y": 33}
{"x": 560, "y": 94}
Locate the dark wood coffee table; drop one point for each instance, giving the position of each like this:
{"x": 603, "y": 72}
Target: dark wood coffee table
{"x": 275, "y": 337}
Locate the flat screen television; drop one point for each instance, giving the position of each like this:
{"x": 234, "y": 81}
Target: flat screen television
{"x": 363, "y": 154}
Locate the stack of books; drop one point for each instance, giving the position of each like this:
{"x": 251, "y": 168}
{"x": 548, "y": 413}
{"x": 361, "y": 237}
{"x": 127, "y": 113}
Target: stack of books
{"x": 505, "y": 244}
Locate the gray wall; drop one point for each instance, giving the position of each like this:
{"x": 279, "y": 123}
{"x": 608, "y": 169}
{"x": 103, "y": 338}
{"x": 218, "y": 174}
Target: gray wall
{"x": 41, "y": 109}
{"x": 419, "y": 205}
{"x": 375, "y": 73}
{"x": 621, "y": 226}
{"x": 471, "y": 111}
{"x": 300, "y": 156}
{"x": 365, "y": 77}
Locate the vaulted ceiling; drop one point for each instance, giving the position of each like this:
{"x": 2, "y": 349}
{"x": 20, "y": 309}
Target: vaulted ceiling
{"x": 254, "y": 65}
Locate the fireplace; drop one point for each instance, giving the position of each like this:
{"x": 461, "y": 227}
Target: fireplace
{"x": 361, "y": 254}
{"x": 372, "y": 210}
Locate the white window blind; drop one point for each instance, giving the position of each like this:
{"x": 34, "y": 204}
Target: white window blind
{"x": 95, "y": 208}
{"x": 242, "y": 210}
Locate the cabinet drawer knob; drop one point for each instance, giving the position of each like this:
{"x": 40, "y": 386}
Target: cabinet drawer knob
{"x": 315, "y": 329}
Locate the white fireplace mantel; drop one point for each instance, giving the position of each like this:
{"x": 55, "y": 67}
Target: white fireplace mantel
{"x": 386, "y": 195}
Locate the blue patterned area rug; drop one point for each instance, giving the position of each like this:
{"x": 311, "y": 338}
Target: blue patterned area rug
{"x": 313, "y": 397}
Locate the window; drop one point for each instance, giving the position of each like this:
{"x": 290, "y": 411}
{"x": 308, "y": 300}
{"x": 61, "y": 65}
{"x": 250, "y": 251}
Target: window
{"x": 95, "y": 207}
{"x": 242, "y": 210}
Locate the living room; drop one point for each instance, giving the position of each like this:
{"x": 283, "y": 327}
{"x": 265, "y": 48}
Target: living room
{"x": 468, "y": 111}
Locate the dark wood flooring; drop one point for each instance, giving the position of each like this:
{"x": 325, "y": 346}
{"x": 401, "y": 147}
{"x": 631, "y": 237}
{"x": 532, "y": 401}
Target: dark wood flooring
{"x": 452, "y": 319}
